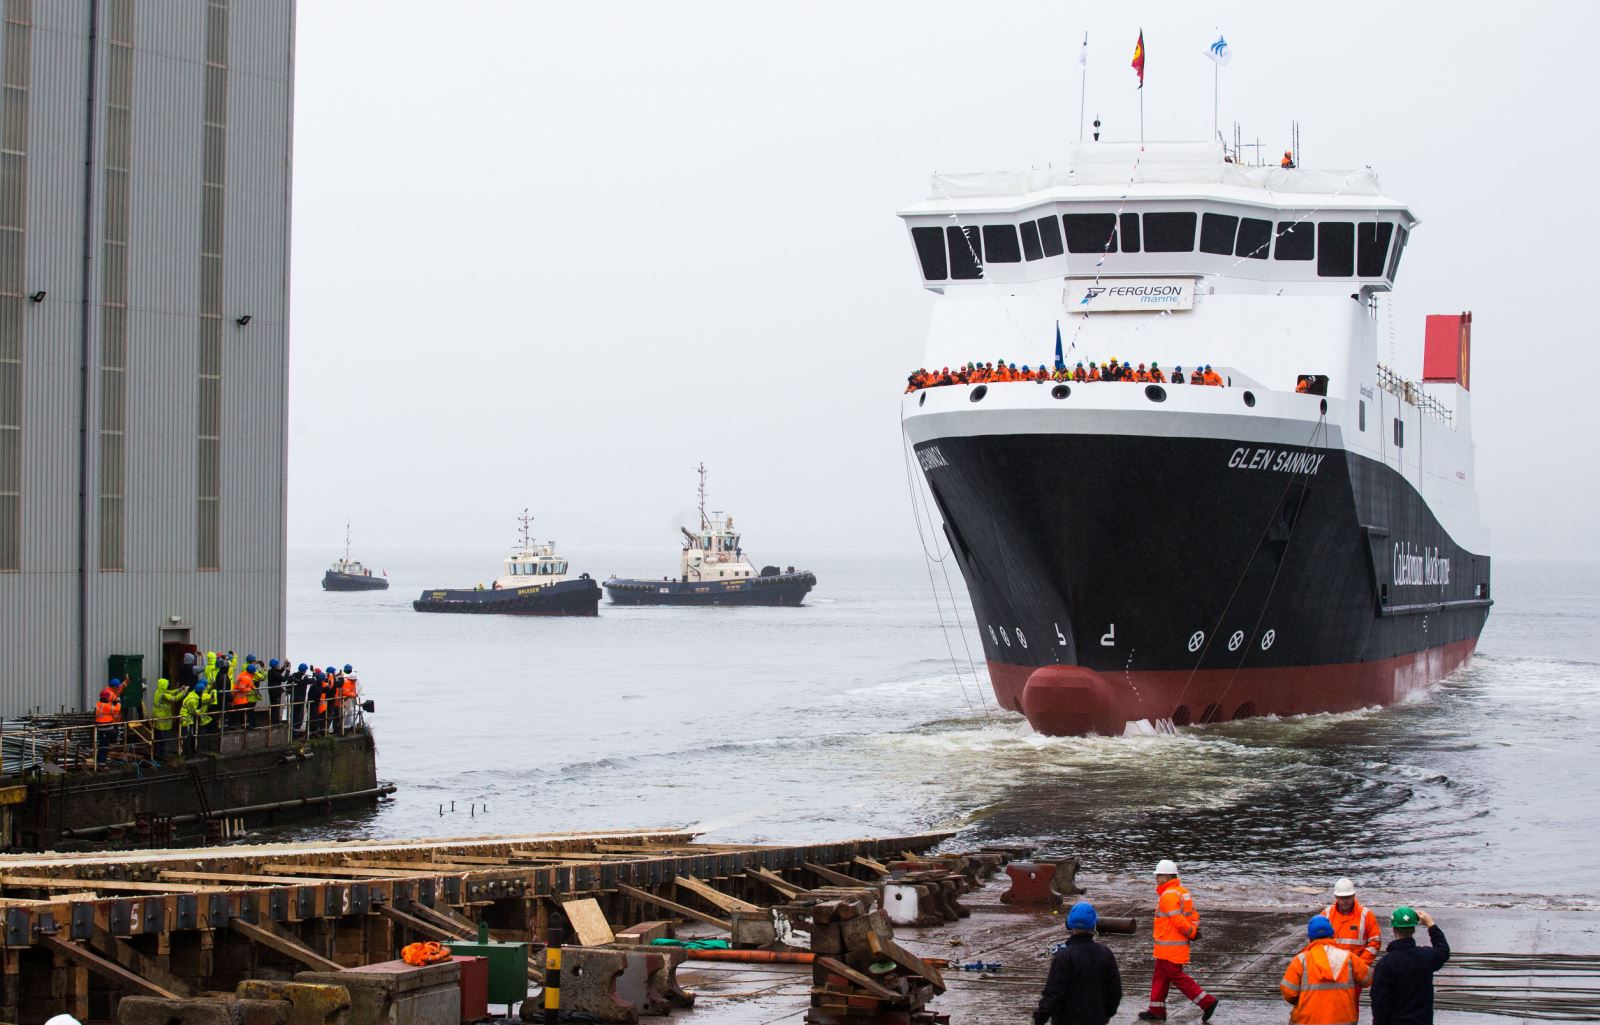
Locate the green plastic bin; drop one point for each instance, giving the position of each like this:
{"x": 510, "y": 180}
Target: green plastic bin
{"x": 508, "y": 967}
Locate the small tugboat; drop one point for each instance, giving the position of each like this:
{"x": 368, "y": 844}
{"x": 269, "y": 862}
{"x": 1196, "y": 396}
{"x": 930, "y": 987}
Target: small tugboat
{"x": 534, "y": 584}
{"x": 348, "y": 575}
{"x": 715, "y": 571}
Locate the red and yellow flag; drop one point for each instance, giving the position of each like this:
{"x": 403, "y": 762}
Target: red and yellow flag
{"x": 1138, "y": 58}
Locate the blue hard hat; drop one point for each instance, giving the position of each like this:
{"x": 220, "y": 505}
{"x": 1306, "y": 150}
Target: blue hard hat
{"x": 349, "y": 668}
{"x": 1024, "y": 366}
{"x": 330, "y": 670}
{"x": 272, "y": 663}
{"x": 115, "y": 682}
{"x": 1208, "y": 366}
{"x": 250, "y": 657}
{"x": 1082, "y": 916}
{"x": 1319, "y": 928}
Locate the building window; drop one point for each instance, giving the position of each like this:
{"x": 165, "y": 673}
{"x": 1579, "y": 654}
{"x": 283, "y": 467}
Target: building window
{"x": 17, "y": 33}
{"x": 1091, "y": 233}
{"x": 1295, "y": 241}
{"x": 1217, "y": 233}
{"x": 930, "y": 252}
{"x": 1336, "y": 249}
{"x": 1169, "y": 232}
{"x": 1255, "y": 238}
{"x": 118, "y": 161}
{"x": 1000, "y": 244}
{"x": 213, "y": 204}
{"x": 1361, "y": 414}
{"x": 1399, "y": 433}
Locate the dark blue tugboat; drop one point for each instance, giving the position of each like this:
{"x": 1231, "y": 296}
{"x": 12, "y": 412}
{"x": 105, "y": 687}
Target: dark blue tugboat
{"x": 534, "y": 584}
{"x": 347, "y": 574}
{"x": 715, "y": 571}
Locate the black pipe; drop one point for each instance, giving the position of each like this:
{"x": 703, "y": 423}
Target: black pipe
{"x": 244, "y": 809}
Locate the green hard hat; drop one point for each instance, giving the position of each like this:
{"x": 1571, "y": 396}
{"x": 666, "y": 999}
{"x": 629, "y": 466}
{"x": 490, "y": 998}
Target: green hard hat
{"x": 1403, "y": 918}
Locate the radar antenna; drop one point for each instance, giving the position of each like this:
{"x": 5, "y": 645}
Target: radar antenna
{"x": 526, "y": 533}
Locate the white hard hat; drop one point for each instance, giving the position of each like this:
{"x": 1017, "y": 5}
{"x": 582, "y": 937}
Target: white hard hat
{"x": 1165, "y": 867}
{"x": 63, "y": 1019}
{"x": 1344, "y": 888}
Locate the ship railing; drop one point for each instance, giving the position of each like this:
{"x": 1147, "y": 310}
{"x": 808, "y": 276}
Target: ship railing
{"x": 66, "y": 744}
{"x": 1411, "y": 392}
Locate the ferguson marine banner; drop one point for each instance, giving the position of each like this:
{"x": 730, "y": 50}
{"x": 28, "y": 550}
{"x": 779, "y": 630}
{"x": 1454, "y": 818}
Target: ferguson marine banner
{"x": 1088, "y": 295}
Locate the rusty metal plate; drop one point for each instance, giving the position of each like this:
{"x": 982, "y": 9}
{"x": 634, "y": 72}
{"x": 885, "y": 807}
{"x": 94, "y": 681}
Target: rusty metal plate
{"x": 155, "y": 915}
{"x": 19, "y": 927}
{"x": 120, "y": 916}
{"x": 278, "y": 905}
{"x": 426, "y": 890}
{"x": 452, "y": 889}
{"x": 188, "y": 911}
{"x": 305, "y": 902}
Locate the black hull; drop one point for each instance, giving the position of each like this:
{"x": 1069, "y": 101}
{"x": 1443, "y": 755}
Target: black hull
{"x": 332, "y": 581}
{"x": 778, "y": 589}
{"x": 1116, "y": 578}
{"x": 567, "y": 598}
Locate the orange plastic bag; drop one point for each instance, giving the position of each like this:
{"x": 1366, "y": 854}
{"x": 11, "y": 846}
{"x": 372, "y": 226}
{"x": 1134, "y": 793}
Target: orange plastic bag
{"x": 424, "y": 953}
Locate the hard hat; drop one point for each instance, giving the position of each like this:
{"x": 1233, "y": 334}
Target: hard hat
{"x": 1403, "y": 918}
{"x": 349, "y": 668}
{"x": 1344, "y": 888}
{"x": 115, "y": 682}
{"x": 63, "y": 1019}
{"x": 1165, "y": 867}
{"x": 330, "y": 670}
{"x": 1208, "y": 366}
{"x": 250, "y": 657}
{"x": 302, "y": 667}
{"x": 1319, "y": 928}
{"x": 272, "y": 663}
{"x": 1082, "y": 916}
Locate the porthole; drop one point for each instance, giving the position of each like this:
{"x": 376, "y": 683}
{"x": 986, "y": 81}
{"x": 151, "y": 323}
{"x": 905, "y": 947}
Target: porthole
{"x": 1213, "y": 713}
{"x": 1245, "y": 711}
{"x": 1250, "y": 399}
{"x": 1060, "y": 391}
{"x": 1180, "y": 716}
{"x": 979, "y": 392}
{"x": 1155, "y": 393}
{"x": 922, "y": 399}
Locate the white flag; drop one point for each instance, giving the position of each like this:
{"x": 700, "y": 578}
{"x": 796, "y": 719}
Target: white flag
{"x": 1083, "y": 52}
{"x": 1218, "y": 51}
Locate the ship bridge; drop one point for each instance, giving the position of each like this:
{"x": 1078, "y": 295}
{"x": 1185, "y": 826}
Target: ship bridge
{"x": 1161, "y": 210}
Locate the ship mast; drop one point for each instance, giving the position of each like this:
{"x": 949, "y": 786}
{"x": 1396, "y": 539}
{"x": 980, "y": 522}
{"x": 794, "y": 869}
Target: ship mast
{"x": 346, "y": 540}
{"x": 704, "y": 523}
{"x": 527, "y": 529}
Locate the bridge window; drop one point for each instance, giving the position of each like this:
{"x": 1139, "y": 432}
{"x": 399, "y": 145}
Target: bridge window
{"x": 966, "y": 253}
{"x": 1255, "y": 238}
{"x": 1336, "y": 249}
{"x": 1295, "y": 242}
{"x": 1169, "y": 232}
{"x": 1394, "y": 262}
{"x": 1372, "y": 247}
{"x": 1000, "y": 243}
{"x": 1130, "y": 233}
{"x": 930, "y": 251}
{"x": 1031, "y": 250}
{"x": 1091, "y": 233}
{"x": 1050, "y": 236}
{"x": 1217, "y": 232}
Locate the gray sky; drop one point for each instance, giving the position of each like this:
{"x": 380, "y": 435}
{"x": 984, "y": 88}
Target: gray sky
{"x": 554, "y": 255}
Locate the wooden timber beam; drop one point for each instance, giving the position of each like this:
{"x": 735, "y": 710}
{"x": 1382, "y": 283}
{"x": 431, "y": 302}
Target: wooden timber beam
{"x": 79, "y": 885}
{"x": 417, "y": 925}
{"x": 775, "y": 881}
{"x": 416, "y": 868}
{"x": 146, "y": 968}
{"x": 836, "y": 878}
{"x": 290, "y": 948}
{"x": 712, "y": 895}
{"x": 106, "y": 969}
{"x": 240, "y": 879}
{"x": 340, "y": 872}
{"x": 871, "y": 866}
{"x": 861, "y": 979}
{"x": 440, "y": 920}
{"x": 674, "y": 907}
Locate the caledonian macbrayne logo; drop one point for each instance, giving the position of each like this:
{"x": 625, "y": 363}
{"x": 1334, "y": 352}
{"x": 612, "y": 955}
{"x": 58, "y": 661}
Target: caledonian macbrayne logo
{"x": 1419, "y": 566}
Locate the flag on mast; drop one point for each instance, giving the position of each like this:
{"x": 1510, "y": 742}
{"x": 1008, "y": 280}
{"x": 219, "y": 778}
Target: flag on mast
{"x": 1138, "y": 58}
{"x": 1083, "y": 52}
{"x": 1218, "y": 51}
{"x": 1060, "y": 362}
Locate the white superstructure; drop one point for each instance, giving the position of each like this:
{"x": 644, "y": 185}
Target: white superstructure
{"x": 533, "y": 563}
{"x": 713, "y": 552}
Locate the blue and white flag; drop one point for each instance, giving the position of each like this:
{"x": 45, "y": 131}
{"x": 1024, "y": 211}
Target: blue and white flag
{"x": 1218, "y": 51}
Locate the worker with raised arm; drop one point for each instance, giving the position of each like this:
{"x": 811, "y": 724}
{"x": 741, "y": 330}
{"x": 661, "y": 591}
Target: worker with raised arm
{"x": 1175, "y": 926}
{"x": 1402, "y": 982}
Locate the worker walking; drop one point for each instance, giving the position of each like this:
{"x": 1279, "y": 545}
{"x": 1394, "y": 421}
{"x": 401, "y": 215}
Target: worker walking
{"x": 1354, "y": 927}
{"x": 1402, "y": 983}
{"x": 1176, "y": 925}
{"x": 1323, "y": 982}
{"x": 1084, "y": 986}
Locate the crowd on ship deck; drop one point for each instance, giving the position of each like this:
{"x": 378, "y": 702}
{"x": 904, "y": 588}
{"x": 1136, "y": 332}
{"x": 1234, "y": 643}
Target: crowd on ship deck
{"x": 216, "y": 691}
{"x": 1112, "y": 370}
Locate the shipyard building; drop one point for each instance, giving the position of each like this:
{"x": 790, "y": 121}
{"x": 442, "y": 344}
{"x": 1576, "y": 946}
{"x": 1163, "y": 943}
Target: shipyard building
{"x": 144, "y": 282}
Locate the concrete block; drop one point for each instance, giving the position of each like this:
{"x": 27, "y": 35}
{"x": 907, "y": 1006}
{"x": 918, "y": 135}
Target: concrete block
{"x": 395, "y": 993}
{"x": 1030, "y": 883}
{"x": 752, "y": 929}
{"x": 902, "y": 903}
{"x": 201, "y": 1011}
{"x": 308, "y": 1004}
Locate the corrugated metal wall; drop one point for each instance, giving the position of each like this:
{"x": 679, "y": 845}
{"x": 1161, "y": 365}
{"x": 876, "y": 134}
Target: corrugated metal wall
{"x": 58, "y": 598}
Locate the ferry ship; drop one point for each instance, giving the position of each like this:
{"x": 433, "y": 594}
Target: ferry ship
{"x": 347, "y": 574}
{"x": 1305, "y": 538}
{"x": 714, "y": 570}
{"x": 533, "y": 583}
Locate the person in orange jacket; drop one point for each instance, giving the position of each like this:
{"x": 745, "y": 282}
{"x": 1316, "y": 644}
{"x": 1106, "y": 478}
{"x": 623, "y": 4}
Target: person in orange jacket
{"x": 107, "y": 714}
{"x": 1142, "y": 375}
{"x": 1354, "y": 927}
{"x": 1323, "y": 982}
{"x": 1176, "y": 924}
{"x": 1094, "y": 372}
{"x": 1212, "y": 377}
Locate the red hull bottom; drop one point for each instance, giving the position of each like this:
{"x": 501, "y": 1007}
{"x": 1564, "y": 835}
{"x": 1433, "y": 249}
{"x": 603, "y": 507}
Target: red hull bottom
{"x": 1064, "y": 701}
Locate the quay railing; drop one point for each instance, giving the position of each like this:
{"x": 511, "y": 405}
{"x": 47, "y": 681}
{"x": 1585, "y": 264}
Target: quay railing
{"x": 1411, "y": 392}
{"x": 72, "y": 742}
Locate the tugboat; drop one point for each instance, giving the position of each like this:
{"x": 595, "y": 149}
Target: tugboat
{"x": 348, "y": 575}
{"x": 715, "y": 571}
{"x": 534, "y": 584}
